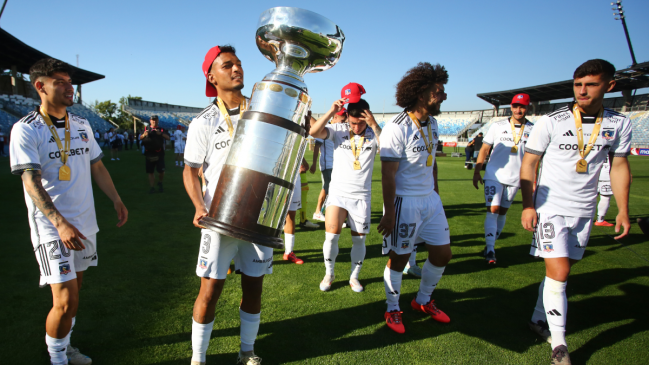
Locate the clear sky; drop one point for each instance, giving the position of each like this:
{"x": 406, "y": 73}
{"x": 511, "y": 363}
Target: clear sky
{"x": 154, "y": 49}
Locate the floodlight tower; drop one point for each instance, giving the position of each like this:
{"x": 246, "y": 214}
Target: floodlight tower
{"x": 618, "y": 13}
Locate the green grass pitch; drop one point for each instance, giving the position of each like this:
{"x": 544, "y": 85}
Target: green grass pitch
{"x": 136, "y": 306}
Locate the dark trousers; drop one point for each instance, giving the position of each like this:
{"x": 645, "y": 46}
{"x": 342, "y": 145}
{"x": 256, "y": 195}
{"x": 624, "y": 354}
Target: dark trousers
{"x": 469, "y": 154}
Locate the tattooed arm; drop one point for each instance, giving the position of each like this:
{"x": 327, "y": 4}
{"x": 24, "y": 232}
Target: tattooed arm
{"x": 69, "y": 234}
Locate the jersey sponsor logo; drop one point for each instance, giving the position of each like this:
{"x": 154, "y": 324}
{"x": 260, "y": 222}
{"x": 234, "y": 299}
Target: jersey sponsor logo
{"x": 72, "y": 152}
{"x": 569, "y": 133}
{"x": 258, "y": 261}
{"x": 417, "y": 149}
{"x": 222, "y": 145}
{"x": 575, "y": 147}
{"x": 220, "y": 129}
{"x": 415, "y": 138}
{"x": 548, "y": 247}
{"x": 64, "y": 268}
{"x": 561, "y": 117}
{"x": 608, "y": 134}
{"x": 506, "y": 139}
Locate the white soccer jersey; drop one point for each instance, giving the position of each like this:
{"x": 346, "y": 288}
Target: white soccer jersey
{"x": 178, "y": 136}
{"x": 208, "y": 143}
{"x": 505, "y": 166}
{"x": 345, "y": 181}
{"x": 326, "y": 153}
{"x": 561, "y": 189}
{"x": 401, "y": 142}
{"x": 33, "y": 148}
{"x": 605, "y": 174}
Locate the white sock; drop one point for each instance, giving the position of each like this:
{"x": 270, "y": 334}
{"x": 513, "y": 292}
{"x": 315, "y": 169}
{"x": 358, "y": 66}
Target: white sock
{"x": 200, "y": 339}
{"x": 412, "y": 261}
{"x": 392, "y": 283}
{"x": 249, "y": 329}
{"x": 539, "y": 310}
{"x": 357, "y": 255}
{"x": 57, "y": 348}
{"x": 490, "y": 229}
{"x": 74, "y": 321}
{"x": 430, "y": 276}
{"x": 602, "y": 207}
{"x": 330, "y": 251}
{"x": 289, "y": 242}
{"x": 556, "y": 306}
{"x": 501, "y": 224}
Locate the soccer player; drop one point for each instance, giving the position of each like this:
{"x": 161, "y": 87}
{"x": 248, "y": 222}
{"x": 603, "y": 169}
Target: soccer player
{"x": 326, "y": 150}
{"x": 604, "y": 190}
{"x": 412, "y": 207}
{"x": 179, "y": 145}
{"x": 59, "y": 197}
{"x": 350, "y": 192}
{"x": 208, "y": 142}
{"x": 289, "y": 225}
{"x": 502, "y": 177}
{"x": 571, "y": 144}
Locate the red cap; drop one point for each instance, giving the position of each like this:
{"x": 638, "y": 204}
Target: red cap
{"x": 523, "y": 99}
{"x": 210, "y": 90}
{"x": 352, "y": 92}
{"x": 179, "y": 127}
{"x": 342, "y": 111}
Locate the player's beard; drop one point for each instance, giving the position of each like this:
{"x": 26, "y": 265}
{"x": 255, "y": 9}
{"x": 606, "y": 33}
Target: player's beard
{"x": 434, "y": 109}
{"x": 239, "y": 87}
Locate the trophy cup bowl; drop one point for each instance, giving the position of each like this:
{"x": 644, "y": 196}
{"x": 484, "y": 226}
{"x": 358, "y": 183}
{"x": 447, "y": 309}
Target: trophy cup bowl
{"x": 255, "y": 187}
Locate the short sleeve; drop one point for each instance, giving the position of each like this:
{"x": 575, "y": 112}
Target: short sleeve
{"x": 622, "y": 144}
{"x": 393, "y": 143}
{"x": 23, "y": 149}
{"x": 95, "y": 151}
{"x": 197, "y": 144}
{"x": 489, "y": 138}
{"x": 540, "y": 138}
{"x": 319, "y": 141}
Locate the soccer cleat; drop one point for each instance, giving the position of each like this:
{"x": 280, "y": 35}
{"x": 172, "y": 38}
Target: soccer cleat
{"x": 490, "y": 257}
{"x": 197, "y": 363}
{"x": 112, "y": 159}
{"x": 394, "y": 322}
{"x": 117, "y": 159}
{"x": 430, "y": 308}
{"x": 541, "y": 328}
{"x": 308, "y": 224}
{"x": 77, "y": 358}
{"x": 604, "y": 224}
{"x": 413, "y": 270}
{"x": 325, "y": 284}
{"x": 560, "y": 356}
{"x": 291, "y": 258}
{"x": 248, "y": 358}
{"x": 355, "y": 285}
{"x": 318, "y": 217}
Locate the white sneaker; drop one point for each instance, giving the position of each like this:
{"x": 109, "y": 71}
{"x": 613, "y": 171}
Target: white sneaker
{"x": 325, "y": 284}
{"x": 77, "y": 358}
{"x": 414, "y": 271}
{"x": 356, "y": 285}
{"x": 308, "y": 224}
{"x": 344, "y": 225}
{"x": 248, "y": 358}
{"x": 318, "y": 217}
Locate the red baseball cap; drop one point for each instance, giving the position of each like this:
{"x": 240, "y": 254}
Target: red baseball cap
{"x": 342, "y": 111}
{"x": 523, "y": 99}
{"x": 210, "y": 90}
{"x": 352, "y": 92}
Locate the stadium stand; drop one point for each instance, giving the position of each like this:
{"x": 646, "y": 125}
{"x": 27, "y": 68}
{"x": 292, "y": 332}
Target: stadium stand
{"x": 170, "y": 115}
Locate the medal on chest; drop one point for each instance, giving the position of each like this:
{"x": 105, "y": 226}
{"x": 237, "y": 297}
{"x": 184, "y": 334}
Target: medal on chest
{"x": 65, "y": 173}
{"x": 429, "y": 147}
{"x": 356, "y": 150}
{"x": 517, "y": 137}
{"x": 582, "y": 164}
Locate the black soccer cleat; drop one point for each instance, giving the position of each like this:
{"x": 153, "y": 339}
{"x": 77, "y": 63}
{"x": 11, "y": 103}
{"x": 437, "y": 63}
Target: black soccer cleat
{"x": 490, "y": 257}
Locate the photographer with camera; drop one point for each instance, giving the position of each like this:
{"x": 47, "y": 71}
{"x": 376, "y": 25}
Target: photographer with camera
{"x": 153, "y": 140}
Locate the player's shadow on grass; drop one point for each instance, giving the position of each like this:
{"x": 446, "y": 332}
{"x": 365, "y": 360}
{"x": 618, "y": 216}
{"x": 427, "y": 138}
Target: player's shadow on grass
{"x": 453, "y": 210}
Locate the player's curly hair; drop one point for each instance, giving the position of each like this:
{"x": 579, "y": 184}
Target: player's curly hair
{"x": 48, "y": 67}
{"x": 417, "y": 80}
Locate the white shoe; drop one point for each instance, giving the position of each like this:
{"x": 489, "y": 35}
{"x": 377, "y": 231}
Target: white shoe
{"x": 414, "y": 271}
{"x": 248, "y": 358}
{"x": 318, "y": 217}
{"x": 308, "y": 224}
{"x": 112, "y": 159}
{"x": 325, "y": 284}
{"x": 197, "y": 363}
{"x": 356, "y": 285}
{"x": 344, "y": 225}
{"x": 77, "y": 358}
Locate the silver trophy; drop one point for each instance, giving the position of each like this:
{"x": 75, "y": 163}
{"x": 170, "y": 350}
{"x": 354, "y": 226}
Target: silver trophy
{"x": 255, "y": 188}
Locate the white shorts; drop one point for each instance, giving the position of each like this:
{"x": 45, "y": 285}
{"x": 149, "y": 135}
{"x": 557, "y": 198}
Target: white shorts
{"x": 296, "y": 201}
{"x": 560, "y": 236}
{"x": 58, "y": 264}
{"x": 498, "y": 194}
{"x": 179, "y": 147}
{"x": 417, "y": 219}
{"x": 604, "y": 188}
{"x": 217, "y": 251}
{"x": 359, "y": 211}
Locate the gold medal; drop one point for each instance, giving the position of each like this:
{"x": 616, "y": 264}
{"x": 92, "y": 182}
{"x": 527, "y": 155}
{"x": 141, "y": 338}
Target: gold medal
{"x": 357, "y": 165}
{"x": 517, "y": 138}
{"x": 514, "y": 149}
{"x": 582, "y": 166}
{"x": 65, "y": 173}
{"x": 226, "y": 116}
{"x": 429, "y": 160}
{"x": 356, "y": 150}
{"x": 429, "y": 146}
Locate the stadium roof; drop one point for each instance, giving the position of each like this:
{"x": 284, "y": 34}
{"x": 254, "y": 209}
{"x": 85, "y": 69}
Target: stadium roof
{"x": 634, "y": 77}
{"x": 13, "y": 52}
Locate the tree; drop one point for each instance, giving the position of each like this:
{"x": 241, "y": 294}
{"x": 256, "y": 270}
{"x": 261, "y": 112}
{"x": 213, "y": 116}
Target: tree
{"x": 109, "y": 110}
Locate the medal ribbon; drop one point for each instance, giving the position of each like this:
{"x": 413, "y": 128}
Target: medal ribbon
{"x": 224, "y": 111}
{"x": 580, "y": 132}
{"x": 356, "y": 151}
{"x": 517, "y": 138}
{"x": 55, "y": 134}
{"x": 428, "y": 146}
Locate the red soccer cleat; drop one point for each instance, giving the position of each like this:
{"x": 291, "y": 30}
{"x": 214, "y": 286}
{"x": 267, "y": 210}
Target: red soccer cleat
{"x": 431, "y": 309}
{"x": 394, "y": 322}
{"x": 604, "y": 224}
{"x": 291, "y": 257}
